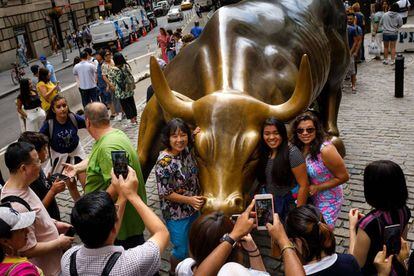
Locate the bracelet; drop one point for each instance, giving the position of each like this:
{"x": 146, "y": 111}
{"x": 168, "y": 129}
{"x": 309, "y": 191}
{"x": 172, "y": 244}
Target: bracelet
{"x": 289, "y": 246}
{"x": 253, "y": 256}
{"x": 250, "y": 251}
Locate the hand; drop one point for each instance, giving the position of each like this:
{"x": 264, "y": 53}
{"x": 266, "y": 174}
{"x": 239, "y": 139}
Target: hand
{"x": 244, "y": 224}
{"x": 404, "y": 252}
{"x": 58, "y": 186}
{"x": 277, "y": 231}
{"x": 65, "y": 242}
{"x": 196, "y": 131}
{"x": 248, "y": 243}
{"x": 69, "y": 170}
{"x": 382, "y": 264}
{"x": 71, "y": 183}
{"x": 128, "y": 186}
{"x": 62, "y": 227}
{"x": 196, "y": 202}
{"x": 313, "y": 189}
{"x": 354, "y": 215}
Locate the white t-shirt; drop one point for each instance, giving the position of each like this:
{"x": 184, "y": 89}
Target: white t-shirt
{"x": 235, "y": 269}
{"x": 402, "y": 4}
{"x": 85, "y": 72}
{"x": 184, "y": 267}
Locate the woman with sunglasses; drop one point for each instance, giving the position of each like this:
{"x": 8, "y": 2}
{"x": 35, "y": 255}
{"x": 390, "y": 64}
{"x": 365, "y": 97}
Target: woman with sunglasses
{"x": 280, "y": 167}
{"x": 326, "y": 168}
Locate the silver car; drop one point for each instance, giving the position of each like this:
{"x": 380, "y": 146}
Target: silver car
{"x": 175, "y": 14}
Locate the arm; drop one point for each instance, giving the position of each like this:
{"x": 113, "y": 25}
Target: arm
{"x": 41, "y": 248}
{"x": 58, "y": 186}
{"x": 45, "y": 93}
{"x": 195, "y": 201}
{"x": 255, "y": 259}
{"x": 292, "y": 264}
{"x": 212, "y": 264}
{"x": 155, "y": 226}
{"x": 360, "y": 246}
{"x": 301, "y": 177}
{"x": 72, "y": 170}
{"x": 19, "y": 106}
{"x": 335, "y": 164}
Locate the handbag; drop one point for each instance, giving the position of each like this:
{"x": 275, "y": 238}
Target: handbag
{"x": 374, "y": 48}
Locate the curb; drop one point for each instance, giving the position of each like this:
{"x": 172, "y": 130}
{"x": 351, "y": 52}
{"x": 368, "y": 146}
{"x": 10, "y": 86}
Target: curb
{"x": 11, "y": 91}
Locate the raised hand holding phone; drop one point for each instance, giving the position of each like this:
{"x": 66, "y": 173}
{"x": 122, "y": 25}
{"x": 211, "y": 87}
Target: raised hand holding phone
{"x": 264, "y": 210}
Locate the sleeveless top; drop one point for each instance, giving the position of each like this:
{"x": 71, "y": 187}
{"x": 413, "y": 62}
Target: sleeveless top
{"x": 49, "y": 86}
{"x": 318, "y": 173}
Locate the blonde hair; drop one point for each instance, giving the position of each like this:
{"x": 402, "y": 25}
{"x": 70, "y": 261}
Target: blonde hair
{"x": 356, "y": 7}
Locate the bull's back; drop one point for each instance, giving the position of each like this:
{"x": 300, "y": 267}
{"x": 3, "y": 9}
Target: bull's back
{"x": 255, "y": 47}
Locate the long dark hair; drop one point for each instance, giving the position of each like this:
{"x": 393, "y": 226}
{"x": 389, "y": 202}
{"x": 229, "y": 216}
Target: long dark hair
{"x": 205, "y": 234}
{"x": 43, "y": 75}
{"x": 320, "y": 136}
{"x": 281, "y": 170}
{"x": 307, "y": 224}
{"x": 25, "y": 90}
{"x": 50, "y": 113}
{"x": 119, "y": 60}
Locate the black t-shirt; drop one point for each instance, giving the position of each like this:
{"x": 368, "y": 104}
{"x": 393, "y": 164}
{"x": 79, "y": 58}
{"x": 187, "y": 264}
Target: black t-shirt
{"x": 32, "y": 102}
{"x": 336, "y": 264}
{"x": 41, "y": 187}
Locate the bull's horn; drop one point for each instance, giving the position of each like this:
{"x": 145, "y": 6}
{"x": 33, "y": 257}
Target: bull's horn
{"x": 301, "y": 97}
{"x": 168, "y": 101}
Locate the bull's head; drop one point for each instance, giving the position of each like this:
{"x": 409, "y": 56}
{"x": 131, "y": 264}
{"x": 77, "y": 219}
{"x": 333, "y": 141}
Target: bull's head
{"x": 230, "y": 122}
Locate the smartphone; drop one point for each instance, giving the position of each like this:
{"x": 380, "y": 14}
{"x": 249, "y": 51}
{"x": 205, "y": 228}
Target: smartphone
{"x": 392, "y": 239}
{"x": 264, "y": 210}
{"x": 120, "y": 163}
{"x": 71, "y": 232}
{"x": 234, "y": 218}
{"x": 55, "y": 176}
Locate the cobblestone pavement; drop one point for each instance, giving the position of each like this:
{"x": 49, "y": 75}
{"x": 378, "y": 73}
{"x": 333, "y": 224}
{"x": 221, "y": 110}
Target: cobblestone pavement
{"x": 374, "y": 125}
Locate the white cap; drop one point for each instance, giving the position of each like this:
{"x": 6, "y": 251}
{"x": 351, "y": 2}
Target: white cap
{"x": 15, "y": 219}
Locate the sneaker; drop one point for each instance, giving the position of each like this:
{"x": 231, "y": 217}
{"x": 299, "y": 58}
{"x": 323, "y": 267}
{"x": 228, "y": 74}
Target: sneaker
{"x": 385, "y": 62}
{"x": 353, "y": 90}
{"x": 118, "y": 117}
{"x": 392, "y": 62}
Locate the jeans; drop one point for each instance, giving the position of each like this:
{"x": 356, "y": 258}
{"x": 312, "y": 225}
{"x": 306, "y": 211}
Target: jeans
{"x": 89, "y": 95}
{"x": 105, "y": 96}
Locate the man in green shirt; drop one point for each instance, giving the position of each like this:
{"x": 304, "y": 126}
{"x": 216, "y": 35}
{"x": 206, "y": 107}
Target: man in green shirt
{"x": 99, "y": 165}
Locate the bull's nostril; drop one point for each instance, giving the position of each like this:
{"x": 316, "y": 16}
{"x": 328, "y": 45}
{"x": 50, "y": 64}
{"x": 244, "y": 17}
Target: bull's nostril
{"x": 238, "y": 201}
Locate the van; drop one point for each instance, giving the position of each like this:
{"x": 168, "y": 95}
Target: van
{"x": 103, "y": 34}
{"x": 123, "y": 28}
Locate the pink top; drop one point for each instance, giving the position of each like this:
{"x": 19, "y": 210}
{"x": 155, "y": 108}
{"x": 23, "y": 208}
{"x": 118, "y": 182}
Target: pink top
{"x": 42, "y": 230}
{"x": 24, "y": 267}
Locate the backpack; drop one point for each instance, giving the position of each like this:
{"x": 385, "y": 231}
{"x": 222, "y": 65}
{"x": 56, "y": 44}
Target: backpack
{"x": 129, "y": 79}
{"x": 404, "y": 9}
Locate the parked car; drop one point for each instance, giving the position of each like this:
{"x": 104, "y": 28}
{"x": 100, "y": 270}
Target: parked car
{"x": 205, "y": 5}
{"x": 104, "y": 34}
{"x": 162, "y": 8}
{"x": 175, "y": 14}
{"x": 186, "y": 5}
{"x": 151, "y": 17}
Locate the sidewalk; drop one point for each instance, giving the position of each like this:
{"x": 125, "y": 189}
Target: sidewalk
{"x": 7, "y": 86}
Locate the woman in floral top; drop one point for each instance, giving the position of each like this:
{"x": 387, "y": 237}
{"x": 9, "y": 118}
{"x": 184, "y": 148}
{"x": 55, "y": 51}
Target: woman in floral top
{"x": 124, "y": 89}
{"x": 178, "y": 187}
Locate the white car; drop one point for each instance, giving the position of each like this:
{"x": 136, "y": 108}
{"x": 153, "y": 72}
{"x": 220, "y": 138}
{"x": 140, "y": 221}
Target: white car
{"x": 103, "y": 34}
{"x": 175, "y": 14}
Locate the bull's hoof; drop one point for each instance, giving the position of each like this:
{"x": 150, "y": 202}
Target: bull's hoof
{"x": 339, "y": 145}
{"x": 233, "y": 204}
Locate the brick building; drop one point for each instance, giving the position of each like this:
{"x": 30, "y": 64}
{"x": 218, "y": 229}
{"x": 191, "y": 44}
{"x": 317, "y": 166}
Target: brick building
{"x": 28, "y": 22}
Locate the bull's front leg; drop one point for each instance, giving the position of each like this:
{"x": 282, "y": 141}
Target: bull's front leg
{"x": 328, "y": 103}
{"x": 149, "y": 136}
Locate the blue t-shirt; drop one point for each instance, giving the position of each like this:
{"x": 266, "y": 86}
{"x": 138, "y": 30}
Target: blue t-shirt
{"x": 353, "y": 31}
{"x": 65, "y": 137}
{"x": 49, "y": 67}
{"x": 196, "y": 31}
{"x": 360, "y": 19}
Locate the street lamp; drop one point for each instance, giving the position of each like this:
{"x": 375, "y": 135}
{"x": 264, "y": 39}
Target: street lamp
{"x": 59, "y": 34}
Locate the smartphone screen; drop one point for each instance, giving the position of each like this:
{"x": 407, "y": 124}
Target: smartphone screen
{"x": 120, "y": 163}
{"x": 392, "y": 239}
{"x": 264, "y": 212}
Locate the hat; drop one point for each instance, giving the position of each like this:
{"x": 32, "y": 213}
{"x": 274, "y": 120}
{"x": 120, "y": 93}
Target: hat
{"x": 42, "y": 58}
{"x": 16, "y": 220}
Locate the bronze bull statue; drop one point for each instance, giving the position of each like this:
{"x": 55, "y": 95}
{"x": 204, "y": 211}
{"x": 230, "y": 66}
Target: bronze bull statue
{"x": 254, "y": 60}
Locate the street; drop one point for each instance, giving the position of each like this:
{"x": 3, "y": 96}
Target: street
{"x": 9, "y": 122}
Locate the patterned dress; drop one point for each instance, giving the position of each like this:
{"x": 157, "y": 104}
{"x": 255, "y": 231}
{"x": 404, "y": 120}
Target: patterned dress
{"x": 177, "y": 174}
{"x": 329, "y": 202}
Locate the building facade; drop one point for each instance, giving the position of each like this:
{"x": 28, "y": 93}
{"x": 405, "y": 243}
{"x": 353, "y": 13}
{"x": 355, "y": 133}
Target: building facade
{"x": 30, "y": 23}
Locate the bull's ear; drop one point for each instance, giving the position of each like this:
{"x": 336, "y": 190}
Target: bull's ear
{"x": 301, "y": 98}
{"x": 172, "y": 104}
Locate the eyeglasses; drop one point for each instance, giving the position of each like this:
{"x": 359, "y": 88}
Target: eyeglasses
{"x": 309, "y": 130}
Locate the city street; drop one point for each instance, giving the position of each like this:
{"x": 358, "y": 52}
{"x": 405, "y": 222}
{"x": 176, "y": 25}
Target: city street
{"x": 9, "y": 122}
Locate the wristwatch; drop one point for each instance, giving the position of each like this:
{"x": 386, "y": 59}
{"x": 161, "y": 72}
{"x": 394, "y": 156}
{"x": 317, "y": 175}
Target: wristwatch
{"x": 227, "y": 238}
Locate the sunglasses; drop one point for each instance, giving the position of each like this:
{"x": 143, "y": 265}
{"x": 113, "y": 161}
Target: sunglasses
{"x": 308, "y": 130}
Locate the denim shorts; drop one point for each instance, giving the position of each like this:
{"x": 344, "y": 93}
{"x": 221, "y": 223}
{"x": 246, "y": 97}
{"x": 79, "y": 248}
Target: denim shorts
{"x": 389, "y": 37}
{"x": 179, "y": 231}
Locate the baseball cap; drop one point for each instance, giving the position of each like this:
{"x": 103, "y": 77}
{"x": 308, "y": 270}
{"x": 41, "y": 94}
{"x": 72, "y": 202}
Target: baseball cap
{"x": 42, "y": 58}
{"x": 14, "y": 219}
